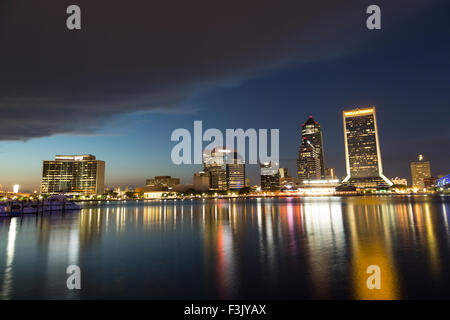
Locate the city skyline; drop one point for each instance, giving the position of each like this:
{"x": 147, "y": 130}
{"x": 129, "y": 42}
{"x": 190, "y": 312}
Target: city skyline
{"x": 225, "y": 156}
{"x": 255, "y": 181}
{"x": 255, "y": 178}
{"x": 401, "y": 69}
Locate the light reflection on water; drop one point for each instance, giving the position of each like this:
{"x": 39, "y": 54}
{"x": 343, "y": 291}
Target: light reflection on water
{"x": 316, "y": 248}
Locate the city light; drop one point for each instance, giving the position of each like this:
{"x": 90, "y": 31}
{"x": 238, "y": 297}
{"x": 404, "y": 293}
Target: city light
{"x": 358, "y": 112}
{"x": 320, "y": 181}
{"x": 317, "y": 191}
{"x": 253, "y": 153}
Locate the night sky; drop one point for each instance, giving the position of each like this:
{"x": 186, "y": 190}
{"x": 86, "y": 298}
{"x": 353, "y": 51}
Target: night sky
{"x": 139, "y": 69}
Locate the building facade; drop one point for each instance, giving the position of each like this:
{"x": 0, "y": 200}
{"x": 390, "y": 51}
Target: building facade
{"x": 283, "y": 172}
{"x": 308, "y": 162}
{"x": 312, "y": 132}
{"x": 201, "y": 181}
{"x": 362, "y": 149}
{"x": 330, "y": 173}
{"x": 270, "y": 176}
{"x": 443, "y": 182}
{"x": 429, "y": 182}
{"x": 399, "y": 181}
{"x": 235, "y": 171}
{"x": 286, "y": 182}
{"x": 420, "y": 170}
{"x": 73, "y": 174}
{"x": 162, "y": 182}
{"x": 214, "y": 167}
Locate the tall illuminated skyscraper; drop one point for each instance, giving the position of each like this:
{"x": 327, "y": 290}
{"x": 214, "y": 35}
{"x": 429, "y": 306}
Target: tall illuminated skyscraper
{"x": 362, "y": 149}
{"x": 308, "y": 162}
{"x": 312, "y": 132}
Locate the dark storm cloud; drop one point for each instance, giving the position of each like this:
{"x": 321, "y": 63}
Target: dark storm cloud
{"x": 144, "y": 55}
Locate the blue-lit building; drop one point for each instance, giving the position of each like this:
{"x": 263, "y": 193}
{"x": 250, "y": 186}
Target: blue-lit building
{"x": 443, "y": 182}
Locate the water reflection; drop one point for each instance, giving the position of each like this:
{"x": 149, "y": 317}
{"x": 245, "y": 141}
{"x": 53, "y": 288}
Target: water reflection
{"x": 8, "y": 273}
{"x": 371, "y": 224}
{"x": 316, "y": 248}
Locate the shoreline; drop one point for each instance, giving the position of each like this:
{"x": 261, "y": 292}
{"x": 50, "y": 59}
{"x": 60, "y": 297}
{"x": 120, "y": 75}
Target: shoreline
{"x": 271, "y": 196}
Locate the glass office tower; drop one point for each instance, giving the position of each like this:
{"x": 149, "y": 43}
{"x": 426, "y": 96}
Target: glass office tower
{"x": 362, "y": 149}
{"x": 312, "y": 132}
{"x": 308, "y": 162}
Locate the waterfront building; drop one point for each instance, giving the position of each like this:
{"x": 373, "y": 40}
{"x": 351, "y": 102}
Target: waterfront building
{"x": 270, "y": 177}
{"x": 235, "y": 171}
{"x": 362, "y": 149}
{"x": 217, "y": 178}
{"x": 73, "y": 174}
{"x": 308, "y": 162}
{"x": 187, "y": 187}
{"x": 214, "y": 166}
{"x": 286, "y": 182}
{"x": 201, "y": 181}
{"x": 330, "y": 173}
{"x": 420, "y": 170}
{"x": 317, "y": 187}
{"x": 312, "y": 132}
{"x": 429, "y": 182}
{"x": 162, "y": 182}
{"x": 443, "y": 182}
{"x": 154, "y": 194}
{"x": 400, "y": 181}
{"x": 283, "y": 172}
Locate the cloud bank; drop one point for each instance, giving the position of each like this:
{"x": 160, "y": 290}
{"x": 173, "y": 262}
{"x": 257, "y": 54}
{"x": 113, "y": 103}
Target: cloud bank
{"x": 145, "y": 55}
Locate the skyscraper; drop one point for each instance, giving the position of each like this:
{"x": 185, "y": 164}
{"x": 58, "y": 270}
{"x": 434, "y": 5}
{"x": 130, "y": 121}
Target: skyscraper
{"x": 270, "y": 177}
{"x": 225, "y": 168}
{"x": 73, "y": 174}
{"x": 312, "y": 132}
{"x": 420, "y": 170}
{"x": 308, "y": 162}
{"x": 214, "y": 166}
{"x": 235, "y": 171}
{"x": 362, "y": 149}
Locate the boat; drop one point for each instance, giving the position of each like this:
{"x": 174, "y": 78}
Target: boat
{"x": 54, "y": 203}
{"x": 4, "y": 210}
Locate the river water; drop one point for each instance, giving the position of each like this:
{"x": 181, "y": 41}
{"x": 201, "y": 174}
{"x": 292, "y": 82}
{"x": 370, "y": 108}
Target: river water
{"x": 280, "y": 248}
